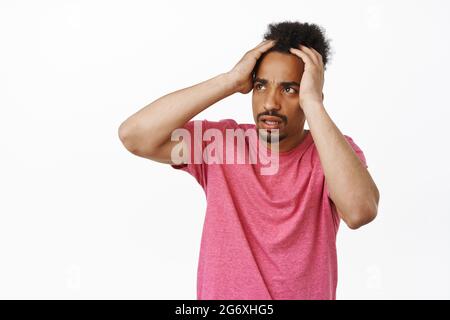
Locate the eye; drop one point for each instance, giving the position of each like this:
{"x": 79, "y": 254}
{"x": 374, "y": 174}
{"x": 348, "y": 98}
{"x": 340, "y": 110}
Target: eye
{"x": 293, "y": 90}
{"x": 257, "y": 86}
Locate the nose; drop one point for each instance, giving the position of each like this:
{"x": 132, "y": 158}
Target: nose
{"x": 271, "y": 101}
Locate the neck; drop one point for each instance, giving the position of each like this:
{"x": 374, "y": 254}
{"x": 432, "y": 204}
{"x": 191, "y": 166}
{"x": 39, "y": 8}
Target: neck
{"x": 288, "y": 144}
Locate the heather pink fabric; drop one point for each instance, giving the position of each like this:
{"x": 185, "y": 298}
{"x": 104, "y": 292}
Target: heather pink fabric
{"x": 267, "y": 236}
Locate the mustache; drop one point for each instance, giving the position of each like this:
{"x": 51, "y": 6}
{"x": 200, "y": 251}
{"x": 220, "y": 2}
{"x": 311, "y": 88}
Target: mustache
{"x": 272, "y": 114}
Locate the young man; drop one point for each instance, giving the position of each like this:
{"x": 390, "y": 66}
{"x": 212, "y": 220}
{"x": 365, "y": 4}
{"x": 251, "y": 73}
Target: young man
{"x": 266, "y": 236}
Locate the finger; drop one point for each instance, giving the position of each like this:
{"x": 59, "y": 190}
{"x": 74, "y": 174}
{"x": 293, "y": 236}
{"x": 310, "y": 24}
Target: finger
{"x": 303, "y": 56}
{"x": 319, "y": 56}
{"x": 258, "y": 51}
{"x": 310, "y": 53}
{"x": 267, "y": 42}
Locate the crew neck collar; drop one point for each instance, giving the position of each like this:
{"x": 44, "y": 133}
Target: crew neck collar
{"x": 297, "y": 149}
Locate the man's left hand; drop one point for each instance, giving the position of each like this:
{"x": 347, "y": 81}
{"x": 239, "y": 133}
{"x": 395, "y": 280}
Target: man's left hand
{"x": 311, "y": 84}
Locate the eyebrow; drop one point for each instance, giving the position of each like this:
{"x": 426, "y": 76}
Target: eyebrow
{"x": 283, "y": 83}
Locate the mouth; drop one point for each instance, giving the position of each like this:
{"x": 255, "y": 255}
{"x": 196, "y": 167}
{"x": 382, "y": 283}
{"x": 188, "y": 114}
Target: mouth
{"x": 269, "y": 122}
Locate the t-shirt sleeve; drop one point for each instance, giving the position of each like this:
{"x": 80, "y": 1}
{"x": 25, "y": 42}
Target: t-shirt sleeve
{"x": 358, "y": 152}
{"x": 195, "y": 165}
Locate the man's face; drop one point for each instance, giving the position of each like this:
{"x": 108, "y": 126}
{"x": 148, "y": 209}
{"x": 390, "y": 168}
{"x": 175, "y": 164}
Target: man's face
{"x": 275, "y": 96}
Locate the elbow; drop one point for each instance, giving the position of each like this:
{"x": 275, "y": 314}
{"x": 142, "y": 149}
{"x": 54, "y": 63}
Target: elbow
{"x": 126, "y": 133}
{"x": 364, "y": 215}
{"x": 361, "y": 220}
{"x": 131, "y": 136}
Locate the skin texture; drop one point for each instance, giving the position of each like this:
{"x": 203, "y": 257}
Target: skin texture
{"x": 271, "y": 97}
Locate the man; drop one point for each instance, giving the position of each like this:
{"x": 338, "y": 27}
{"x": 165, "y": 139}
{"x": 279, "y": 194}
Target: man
{"x": 267, "y": 236}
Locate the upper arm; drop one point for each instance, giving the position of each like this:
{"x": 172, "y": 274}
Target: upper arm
{"x": 168, "y": 153}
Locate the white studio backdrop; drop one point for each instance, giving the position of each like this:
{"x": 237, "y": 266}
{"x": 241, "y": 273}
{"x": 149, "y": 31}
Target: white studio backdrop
{"x": 82, "y": 218}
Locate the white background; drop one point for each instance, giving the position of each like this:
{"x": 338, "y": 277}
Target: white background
{"x": 81, "y": 217}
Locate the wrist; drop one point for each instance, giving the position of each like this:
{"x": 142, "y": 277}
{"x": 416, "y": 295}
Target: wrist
{"x": 232, "y": 81}
{"x": 226, "y": 81}
{"x": 311, "y": 105}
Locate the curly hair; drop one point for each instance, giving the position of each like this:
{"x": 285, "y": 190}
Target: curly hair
{"x": 289, "y": 34}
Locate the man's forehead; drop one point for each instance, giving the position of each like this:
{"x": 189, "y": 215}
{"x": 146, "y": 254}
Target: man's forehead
{"x": 281, "y": 66}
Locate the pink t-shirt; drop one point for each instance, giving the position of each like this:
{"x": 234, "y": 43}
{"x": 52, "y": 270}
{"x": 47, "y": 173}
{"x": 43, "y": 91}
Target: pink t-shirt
{"x": 266, "y": 236}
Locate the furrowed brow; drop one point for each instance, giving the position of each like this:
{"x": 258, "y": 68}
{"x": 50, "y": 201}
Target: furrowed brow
{"x": 283, "y": 84}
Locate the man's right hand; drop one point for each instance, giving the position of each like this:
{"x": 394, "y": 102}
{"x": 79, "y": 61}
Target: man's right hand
{"x": 242, "y": 71}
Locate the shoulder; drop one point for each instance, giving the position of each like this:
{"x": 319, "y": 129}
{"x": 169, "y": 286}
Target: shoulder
{"x": 356, "y": 148}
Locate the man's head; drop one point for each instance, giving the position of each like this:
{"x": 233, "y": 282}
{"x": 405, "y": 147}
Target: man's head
{"x": 276, "y": 79}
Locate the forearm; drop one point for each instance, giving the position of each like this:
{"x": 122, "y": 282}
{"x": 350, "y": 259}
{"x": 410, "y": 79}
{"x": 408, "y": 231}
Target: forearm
{"x": 350, "y": 185}
{"x": 152, "y": 126}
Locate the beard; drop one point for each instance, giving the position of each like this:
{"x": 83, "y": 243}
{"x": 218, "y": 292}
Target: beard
{"x": 271, "y": 136}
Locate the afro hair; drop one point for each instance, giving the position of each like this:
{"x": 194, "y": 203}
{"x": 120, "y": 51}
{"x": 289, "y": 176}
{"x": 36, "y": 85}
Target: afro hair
{"x": 290, "y": 34}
